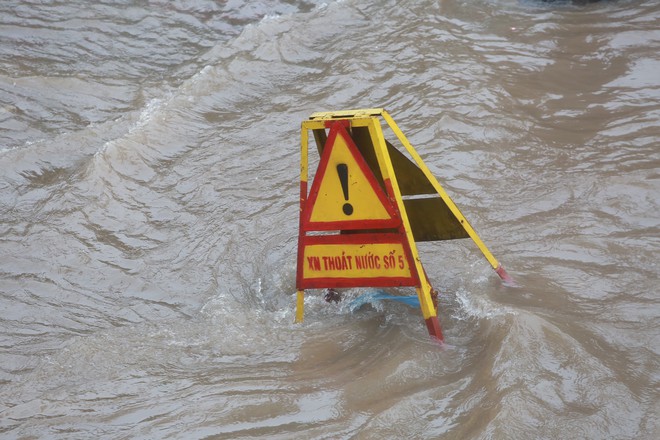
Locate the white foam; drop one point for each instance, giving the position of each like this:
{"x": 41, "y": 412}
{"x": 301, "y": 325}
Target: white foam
{"x": 476, "y": 306}
{"x": 270, "y": 17}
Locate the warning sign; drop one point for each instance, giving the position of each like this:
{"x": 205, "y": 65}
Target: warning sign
{"x": 345, "y": 193}
{"x": 369, "y": 247}
{"x": 367, "y": 206}
{"x": 356, "y": 260}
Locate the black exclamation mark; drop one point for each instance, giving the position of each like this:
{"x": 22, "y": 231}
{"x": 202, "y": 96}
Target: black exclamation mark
{"x": 342, "y": 171}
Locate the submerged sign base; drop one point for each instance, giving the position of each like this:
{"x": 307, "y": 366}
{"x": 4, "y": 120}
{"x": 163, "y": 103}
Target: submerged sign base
{"x": 367, "y": 206}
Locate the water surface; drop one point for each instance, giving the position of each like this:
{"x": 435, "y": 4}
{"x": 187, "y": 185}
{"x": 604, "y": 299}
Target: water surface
{"x": 149, "y": 212}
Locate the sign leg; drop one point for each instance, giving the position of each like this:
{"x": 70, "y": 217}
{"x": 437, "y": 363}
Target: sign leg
{"x": 429, "y": 310}
{"x": 508, "y": 280}
{"x": 300, "y": 305}
{"x": 433, "y": 326}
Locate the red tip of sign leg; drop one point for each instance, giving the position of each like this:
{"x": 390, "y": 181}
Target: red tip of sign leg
{"x": 506, "y": 278}
{"x": 433, "y": 326}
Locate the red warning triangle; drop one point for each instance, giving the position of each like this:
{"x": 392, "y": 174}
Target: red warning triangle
{"x": 345, "y": 193}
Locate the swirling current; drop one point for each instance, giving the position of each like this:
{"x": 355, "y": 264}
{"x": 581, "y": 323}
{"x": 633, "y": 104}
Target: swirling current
{"x": 149, "y": 194}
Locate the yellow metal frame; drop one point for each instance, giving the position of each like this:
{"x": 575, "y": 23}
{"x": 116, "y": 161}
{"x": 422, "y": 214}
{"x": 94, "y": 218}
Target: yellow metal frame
{"x": 385, "y": 163}
{"x": 304, "y": 147}
{"x": 440, "y": 190}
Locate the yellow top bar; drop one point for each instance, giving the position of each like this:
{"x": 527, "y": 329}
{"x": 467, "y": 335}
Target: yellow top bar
{"x": 359, "y": 113}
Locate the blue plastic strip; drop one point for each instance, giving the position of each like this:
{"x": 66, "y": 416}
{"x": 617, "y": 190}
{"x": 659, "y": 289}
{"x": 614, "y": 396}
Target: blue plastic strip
{"x": 379, "y": 295}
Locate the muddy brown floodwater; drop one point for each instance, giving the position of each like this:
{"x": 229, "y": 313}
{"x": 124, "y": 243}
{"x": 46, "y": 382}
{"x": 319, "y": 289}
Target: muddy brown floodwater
{"x": 149, "y": 213}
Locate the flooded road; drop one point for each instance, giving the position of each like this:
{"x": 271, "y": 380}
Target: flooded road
{"x": 149, "y": 178}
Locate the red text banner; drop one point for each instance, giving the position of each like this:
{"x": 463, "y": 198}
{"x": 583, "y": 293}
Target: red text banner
{"x": 356, "y": 260}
